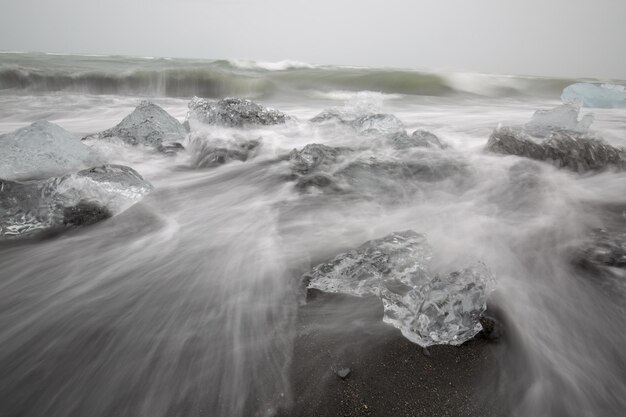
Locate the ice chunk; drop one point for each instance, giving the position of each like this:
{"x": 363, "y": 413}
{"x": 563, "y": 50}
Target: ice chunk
{"x": 147, "y": 125}
{"x": 563, "y": 149}
{"x": 427, "y": 308}
{"x": 41, "y": 150}
{"x": 419, "y": 139}
{"x": 75, "y": 199}
{"x": 564, "y": 117}
{"x": 343, "y": 169}
{"x": 314, "y": 156}
{"x": 232, "y": 112}
{"x": 384, "y": 124}
{"x": 332, "y": 115}
{"x": 593, "y": 95}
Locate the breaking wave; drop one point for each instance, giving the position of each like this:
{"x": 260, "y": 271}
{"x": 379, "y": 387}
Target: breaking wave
{"x": 160, "y": 77}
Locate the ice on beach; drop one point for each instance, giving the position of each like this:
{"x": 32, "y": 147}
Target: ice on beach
{"x": 232, "y": 112}
{"x": 363, "y": 123}
{"x": 314, "y": 156}
{"x": 378, "y": 123}
{"x": 33, "y": 206}
{"x": 563, "y": 149}
{"x": 564, "y": 117}
{"x": 593, "y": 95}
{"x": 41, "y": 150}
{"x": 147, "y": 125}
{"x": 419, "y": 139}
{"x": 428, "y": 308}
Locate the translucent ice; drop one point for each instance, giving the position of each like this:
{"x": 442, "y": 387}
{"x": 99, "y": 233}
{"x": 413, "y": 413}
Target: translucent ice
{"x": 74, "y": 199}
{"x": 41, "y": 150}
{"x": 378, "y": 123}
{"x": 564, "y": 117}
{"x": 592, "y": 95}
{"x": 427, "y": 308}
{"x": 147, "y": 125}
{"x": 419, "y": 139}
{"x": 232, "y": 112}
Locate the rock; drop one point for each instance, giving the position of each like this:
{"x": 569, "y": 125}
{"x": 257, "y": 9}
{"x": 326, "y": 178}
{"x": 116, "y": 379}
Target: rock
{"x": 419, "y": 139}
{"x": 232, "y": 112}
{"x": 563, "y": 149}
{"x": 41, "y": 150}
{"x": 343, "y": 373}
{"x": 492, "y": 329}
{"x": 84, "y": 214}
{"x": 212, "y": 153}
{"x": 148, "y": 125}
{"x": 427, "y": 308}
{"x": 593, "y": 95}
{"x": 86, "y": 197}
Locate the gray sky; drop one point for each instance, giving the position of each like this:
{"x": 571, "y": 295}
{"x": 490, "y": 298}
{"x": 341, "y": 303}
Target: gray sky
{"x": 540, "y": 37}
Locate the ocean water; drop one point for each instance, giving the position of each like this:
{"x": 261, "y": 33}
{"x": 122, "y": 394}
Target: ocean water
{"x": 185, "y": 304}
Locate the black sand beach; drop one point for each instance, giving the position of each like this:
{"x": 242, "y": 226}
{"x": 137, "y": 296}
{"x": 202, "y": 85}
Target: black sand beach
{"x": 388, "y": 375}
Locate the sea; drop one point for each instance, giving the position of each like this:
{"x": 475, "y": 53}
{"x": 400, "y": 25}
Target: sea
{"x": 185, "y": 304}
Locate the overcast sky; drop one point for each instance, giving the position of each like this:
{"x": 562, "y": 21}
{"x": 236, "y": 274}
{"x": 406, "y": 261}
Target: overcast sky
{"x": 579, "y": 38}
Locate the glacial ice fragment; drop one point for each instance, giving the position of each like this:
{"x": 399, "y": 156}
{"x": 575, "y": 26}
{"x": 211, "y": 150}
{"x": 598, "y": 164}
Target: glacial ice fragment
{"x": 75, "y": 199}
{"x": 383, "y": 124}
{"x": 147, "y": 125}
{"x": 564, "y": 149}
{"x": 419, "y": 139}
{"x": 232, "y": 112}
{"x": 564, "y": 117}
{"x": 593, "y": 95}
{"x": 312, "y": 157}
{"x": 427, "y": 308}
{"x": 41, "y": 150}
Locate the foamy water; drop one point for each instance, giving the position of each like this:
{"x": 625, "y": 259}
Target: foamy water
{"x": 185, "y": 303}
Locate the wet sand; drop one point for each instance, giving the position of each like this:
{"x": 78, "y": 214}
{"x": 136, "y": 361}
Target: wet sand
{"x": 388, "y": 375}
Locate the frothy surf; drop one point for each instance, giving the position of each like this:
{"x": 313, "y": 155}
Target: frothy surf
{"x": 185, "y": 303}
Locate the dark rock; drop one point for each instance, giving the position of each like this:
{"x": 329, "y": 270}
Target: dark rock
{"x": 343, "y": 373}
{"x": 85, "y": 213}
{"x": 232, "y": 112}
{"x": 492, "y": 328}
{"x": 563, "y": 149}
